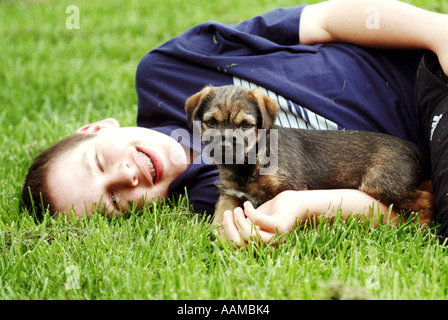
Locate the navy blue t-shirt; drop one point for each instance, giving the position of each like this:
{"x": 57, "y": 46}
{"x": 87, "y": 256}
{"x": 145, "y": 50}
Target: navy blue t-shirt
{"x": 322, "y": 87}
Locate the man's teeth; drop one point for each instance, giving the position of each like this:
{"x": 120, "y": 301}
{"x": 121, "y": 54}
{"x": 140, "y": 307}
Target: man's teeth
{"x": 150, "y": 165}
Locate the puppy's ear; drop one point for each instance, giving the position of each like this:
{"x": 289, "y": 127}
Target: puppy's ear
{"x": 194, "y": 103}
{"x": 268, "y": 108}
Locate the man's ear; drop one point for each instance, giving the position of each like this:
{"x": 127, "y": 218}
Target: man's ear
{"x": 99, "y": 125}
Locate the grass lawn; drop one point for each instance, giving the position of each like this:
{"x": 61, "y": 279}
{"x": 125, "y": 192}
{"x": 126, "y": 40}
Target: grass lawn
{"x": 53, "y": 80}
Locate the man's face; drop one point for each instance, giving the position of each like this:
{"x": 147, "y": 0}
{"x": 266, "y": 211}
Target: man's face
{"x": 115, "y": 167}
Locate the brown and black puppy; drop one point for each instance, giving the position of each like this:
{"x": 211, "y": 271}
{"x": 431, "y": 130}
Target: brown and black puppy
{"x": 258, "y": 160}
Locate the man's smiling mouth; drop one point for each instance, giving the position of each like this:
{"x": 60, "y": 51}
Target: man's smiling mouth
{"x": 150, "y": 165}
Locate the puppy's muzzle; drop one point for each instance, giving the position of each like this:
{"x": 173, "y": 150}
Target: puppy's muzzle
{"x": 227, "y": 148}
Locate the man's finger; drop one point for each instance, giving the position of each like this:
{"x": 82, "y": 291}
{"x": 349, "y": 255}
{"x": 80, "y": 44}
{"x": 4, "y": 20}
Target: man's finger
{"x": 231, "y": 232}
{"x": 263, "y": 221}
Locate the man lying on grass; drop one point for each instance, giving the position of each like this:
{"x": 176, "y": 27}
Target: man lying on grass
{"x": 345, "y": 64}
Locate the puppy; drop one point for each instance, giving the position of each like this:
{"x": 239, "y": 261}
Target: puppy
{"x": 258, "y": 160}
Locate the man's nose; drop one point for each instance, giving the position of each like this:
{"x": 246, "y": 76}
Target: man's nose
{"x": 123, "y": 175}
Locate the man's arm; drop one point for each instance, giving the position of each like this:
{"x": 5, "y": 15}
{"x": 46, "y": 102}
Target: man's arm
{"x": 376, "y": 23}
{"x": 289, "y": 208}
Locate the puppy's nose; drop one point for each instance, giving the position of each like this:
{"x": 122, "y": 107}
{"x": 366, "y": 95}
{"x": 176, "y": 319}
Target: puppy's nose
{"x": 228, "y": 145}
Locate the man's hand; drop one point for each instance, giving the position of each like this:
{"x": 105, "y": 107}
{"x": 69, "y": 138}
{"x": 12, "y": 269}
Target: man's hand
{"x": 273, "y": 218}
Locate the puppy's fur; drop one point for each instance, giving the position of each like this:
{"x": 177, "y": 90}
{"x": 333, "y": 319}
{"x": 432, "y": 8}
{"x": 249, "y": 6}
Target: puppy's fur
{"x": 392, "y": 170}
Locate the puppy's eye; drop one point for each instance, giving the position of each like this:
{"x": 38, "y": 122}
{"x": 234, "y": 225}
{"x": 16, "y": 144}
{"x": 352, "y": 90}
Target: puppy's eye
{"x": 211, "y": 123}
{"x": 246, "y": 125}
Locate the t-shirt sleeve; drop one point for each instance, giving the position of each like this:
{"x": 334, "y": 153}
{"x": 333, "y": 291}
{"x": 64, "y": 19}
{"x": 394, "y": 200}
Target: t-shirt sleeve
{"x": 272, "y": 31}
{"x": 280, "y": 26}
